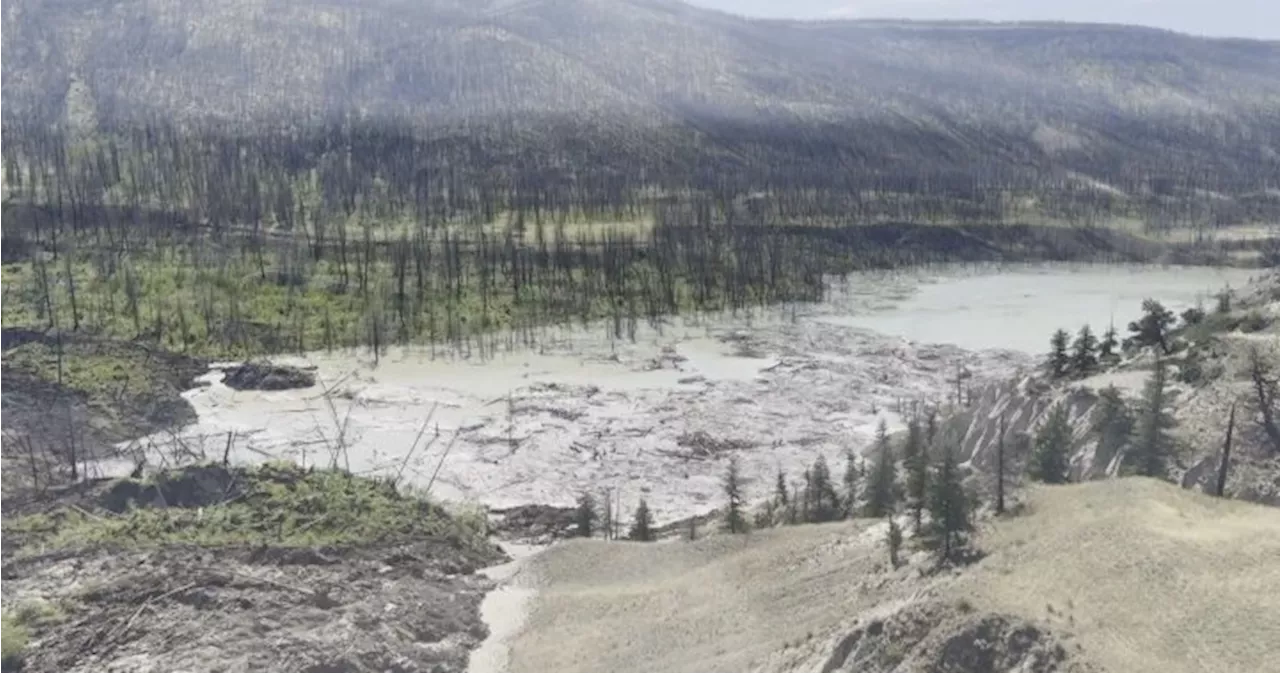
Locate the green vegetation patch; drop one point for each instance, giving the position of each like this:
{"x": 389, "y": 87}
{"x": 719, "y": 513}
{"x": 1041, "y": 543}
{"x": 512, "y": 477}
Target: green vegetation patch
{"x": 276, "y": 504}
{"x": 13, "y": 640}
{"x": 128, "y": 389}
{"x": 98, "y": 374}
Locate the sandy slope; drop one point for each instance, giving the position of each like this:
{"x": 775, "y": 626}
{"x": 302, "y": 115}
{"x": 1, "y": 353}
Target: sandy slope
{"x": 1145, "y": 576}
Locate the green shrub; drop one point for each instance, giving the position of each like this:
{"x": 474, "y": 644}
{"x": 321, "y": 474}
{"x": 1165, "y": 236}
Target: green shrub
{"x": 37, "y": 613}
{"x": 277, "y": 504}
{"x": 13, "y": 640}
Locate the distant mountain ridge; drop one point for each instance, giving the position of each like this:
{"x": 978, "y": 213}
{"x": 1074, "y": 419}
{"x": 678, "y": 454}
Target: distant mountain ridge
{"x": 1013, "y": 95}
{"x": 245, "y": 58}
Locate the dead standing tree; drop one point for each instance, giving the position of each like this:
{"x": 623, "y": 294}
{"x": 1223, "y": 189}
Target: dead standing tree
{"x": 1265, "y": 386}
{"x": 1226, "y": 455}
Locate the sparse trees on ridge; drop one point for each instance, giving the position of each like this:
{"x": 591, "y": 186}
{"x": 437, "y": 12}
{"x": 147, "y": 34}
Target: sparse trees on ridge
{"x": 850, "y": 482}
{"x": 1113, "y": 423}
{"x": 1107, "y": 346}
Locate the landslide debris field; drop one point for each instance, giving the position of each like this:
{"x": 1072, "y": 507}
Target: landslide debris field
{"x": 1127, "y": 575}
{"x": 275, "y": 561}
{"x": 266, "y": 569}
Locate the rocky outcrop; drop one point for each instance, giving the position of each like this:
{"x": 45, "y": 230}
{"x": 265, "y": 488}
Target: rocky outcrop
{"x": 953, "y": 638}
{"x": 1019, "y": 406}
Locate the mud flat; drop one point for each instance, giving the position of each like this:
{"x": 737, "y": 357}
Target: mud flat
{"x": 657, "y": 417}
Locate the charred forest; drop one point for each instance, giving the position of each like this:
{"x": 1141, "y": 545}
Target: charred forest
{"x": 215, "y": 241}
{"x": 234, "y": 180}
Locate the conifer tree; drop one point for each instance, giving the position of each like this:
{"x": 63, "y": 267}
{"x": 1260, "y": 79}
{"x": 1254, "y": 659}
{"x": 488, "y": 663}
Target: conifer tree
{"x": 949, "y": 521}
{"x": 826, "y": 502}
{"x": 850, "y": 483}
{"x": 882, "y": 482}
{"x": 781, "y": 495}
{"x": 1000, "y": 466}
{"x": 585, "y": 516}
{"x": 1152, "y": 329}
{"x": 931, "y": 427}
{"x": 915, "y": 460}
{"x": 1224, "y": 464}
{"x": 1050, "y": 458}
{"x": 641, "y": 524}
{"x": 893, "y": 540}
{"x": 806, "y": 497}
{"x": 608, "y": 515}
{"x": 733, "y": 490}
{"x": 1058, "y": 363}
{"x": 1152, "y": 446}
{"x": 1108, "y": 345}
{"x": 1084, "y": 357}
{"x": 1113, "y": 424}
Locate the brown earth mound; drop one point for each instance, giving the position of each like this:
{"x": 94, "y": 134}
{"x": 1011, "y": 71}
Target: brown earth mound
{"x": 267, "y": 376}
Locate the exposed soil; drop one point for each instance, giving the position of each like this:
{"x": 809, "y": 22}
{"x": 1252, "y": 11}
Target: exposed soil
{"x": 200, "y": 610}
{"x": 951, "y": 638}
{"x": 268, "y": 376}
{"x": 394, "y": 602}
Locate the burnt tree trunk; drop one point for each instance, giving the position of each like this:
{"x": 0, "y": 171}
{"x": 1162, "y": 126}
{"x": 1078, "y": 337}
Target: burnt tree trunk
{"x": 1221, "y": 489}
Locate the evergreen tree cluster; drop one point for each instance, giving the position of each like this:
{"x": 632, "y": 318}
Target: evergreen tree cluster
{"x": 1139, "y": 436}
{"x": 1082, "y": 356}
{"x": 929, "y": 489}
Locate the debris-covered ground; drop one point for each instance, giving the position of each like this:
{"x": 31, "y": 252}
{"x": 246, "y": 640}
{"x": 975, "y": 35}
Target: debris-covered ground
{"x": 654, "y": 419}
{"x": 657, "y": 418}
{"x": 272, "y": 568}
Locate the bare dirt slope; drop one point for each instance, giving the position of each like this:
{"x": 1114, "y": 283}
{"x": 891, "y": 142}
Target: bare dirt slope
{"x": 1139, "y": 575}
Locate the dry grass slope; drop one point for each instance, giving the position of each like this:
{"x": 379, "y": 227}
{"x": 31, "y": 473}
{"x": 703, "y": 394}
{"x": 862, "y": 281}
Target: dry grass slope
{"x": 1147, "y": 577}
{"x": 719, "y": 604}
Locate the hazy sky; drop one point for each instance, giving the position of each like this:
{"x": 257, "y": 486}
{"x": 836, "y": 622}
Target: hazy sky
{"x": 1233, "y": 18}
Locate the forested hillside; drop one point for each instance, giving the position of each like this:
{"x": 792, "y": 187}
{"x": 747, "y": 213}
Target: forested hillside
{"x": 667, "y": 92}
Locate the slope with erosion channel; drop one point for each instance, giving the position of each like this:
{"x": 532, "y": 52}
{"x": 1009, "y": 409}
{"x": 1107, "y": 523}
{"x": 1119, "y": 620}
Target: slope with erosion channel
{"x": 1123, "y": 575}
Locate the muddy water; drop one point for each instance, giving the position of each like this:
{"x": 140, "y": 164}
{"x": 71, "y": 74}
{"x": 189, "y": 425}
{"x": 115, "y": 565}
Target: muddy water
{"x": 657, "y": 418}
{"x": 1020, "y": 308}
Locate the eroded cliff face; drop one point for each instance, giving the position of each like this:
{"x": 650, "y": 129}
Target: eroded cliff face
{"x": 1209, "y": 372}
{"x": 1019, "y": 407}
